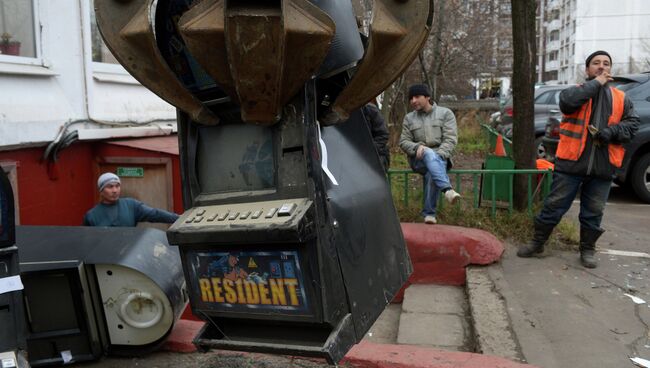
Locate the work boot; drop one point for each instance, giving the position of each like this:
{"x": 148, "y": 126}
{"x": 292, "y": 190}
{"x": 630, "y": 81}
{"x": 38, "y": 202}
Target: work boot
{"x": 588, "y": 239}
{"x": 536, "y": 245}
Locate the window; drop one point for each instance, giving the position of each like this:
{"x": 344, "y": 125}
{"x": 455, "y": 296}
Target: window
{"x": 554, "y": 36}
{"x": 101, "y": 53}
{"x": 543, "y": 98}
{"x": 506, "y": 8}
{"x": 548, "y": 76}
{"x": 553, "y": 56}
{"x": 555, "y": 14}
{"x": 17, "y": 33}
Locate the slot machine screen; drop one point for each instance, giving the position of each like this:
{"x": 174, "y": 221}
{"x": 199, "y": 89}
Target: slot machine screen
{"x": 235, "y": 158}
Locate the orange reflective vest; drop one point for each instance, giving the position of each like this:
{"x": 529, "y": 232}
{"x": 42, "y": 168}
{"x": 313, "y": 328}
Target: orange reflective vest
{"x": 573, "y": 131}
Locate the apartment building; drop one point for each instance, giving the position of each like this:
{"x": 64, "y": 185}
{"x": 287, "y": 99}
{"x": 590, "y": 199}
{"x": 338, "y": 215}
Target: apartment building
{"x": 569, "y": 30}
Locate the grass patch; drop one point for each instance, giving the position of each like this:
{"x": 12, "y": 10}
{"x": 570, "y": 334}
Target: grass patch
{"x": 471, "y": 137}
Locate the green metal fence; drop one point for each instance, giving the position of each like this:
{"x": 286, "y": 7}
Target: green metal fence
{"x": 542, "y": 186}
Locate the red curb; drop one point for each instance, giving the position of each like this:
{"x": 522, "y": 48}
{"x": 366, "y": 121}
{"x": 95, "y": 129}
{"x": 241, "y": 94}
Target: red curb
{"x": 370, "y": 355}
{"x": 180, "y": 339}
{"x": 187, "y": 314}
{"x": 440, "y": 253}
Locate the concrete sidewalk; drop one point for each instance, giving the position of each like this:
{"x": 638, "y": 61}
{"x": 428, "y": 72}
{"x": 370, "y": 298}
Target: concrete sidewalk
{"x": 564, "y": 315}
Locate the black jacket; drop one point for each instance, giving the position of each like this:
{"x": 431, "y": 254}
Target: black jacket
{"x": 594, "y": 160}
{"x": 379, "y": 133}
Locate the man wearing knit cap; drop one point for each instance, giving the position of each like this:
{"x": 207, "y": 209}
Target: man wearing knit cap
{"x": 115, "y": 211}
{"x": 597, "y": 120}
{"x": 428, "y": 138}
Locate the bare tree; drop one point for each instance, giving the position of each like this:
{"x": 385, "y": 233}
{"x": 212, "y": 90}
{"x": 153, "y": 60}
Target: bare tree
{"x": 462, "y": 46}
{"x": 523, "y": 81}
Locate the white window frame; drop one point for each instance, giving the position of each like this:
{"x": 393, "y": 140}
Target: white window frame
{"x": 23, "y": 60}
{"x": 99, "y": 67}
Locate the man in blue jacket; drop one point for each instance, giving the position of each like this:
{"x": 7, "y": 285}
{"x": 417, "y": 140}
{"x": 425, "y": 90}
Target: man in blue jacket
{"x": 115, "y": 211}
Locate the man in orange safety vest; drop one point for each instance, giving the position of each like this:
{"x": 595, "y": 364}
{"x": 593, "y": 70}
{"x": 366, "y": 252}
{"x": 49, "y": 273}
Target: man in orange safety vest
{"x": 597, "y": 120}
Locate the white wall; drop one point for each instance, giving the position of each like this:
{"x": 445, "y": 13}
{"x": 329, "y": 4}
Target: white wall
{"x": 38, "y": 95}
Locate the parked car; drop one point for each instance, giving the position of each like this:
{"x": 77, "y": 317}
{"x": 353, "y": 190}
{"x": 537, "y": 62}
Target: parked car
{"x": 547, "y": 98}
{"x": 635, "y": 172}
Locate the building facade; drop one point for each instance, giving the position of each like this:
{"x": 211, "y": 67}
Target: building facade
{"x": 65, "y": 105}
{"x": 570, "y": 30}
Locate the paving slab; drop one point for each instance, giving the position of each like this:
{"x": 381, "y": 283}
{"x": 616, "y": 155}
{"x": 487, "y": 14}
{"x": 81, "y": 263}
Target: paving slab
{"x": 384, "y": 330}
{"x": 445, "y": 331}
{"x": 433, "y": 299}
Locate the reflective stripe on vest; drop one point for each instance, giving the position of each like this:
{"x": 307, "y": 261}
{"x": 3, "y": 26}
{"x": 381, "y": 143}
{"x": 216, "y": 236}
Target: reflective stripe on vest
{"x": 573, "y": 131}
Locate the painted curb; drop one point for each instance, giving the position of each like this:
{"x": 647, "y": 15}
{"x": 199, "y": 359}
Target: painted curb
{"x": 440, "y": 253}
{"x": 370, "y": 355}
{"x": 180, "y": 339}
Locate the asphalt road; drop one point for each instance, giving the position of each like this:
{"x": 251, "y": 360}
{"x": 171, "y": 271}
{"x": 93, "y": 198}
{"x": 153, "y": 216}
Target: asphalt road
{"x": 566, "y": 316}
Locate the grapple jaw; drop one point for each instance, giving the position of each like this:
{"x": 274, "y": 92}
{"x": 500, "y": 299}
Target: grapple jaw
{"x": 261, "y": 53}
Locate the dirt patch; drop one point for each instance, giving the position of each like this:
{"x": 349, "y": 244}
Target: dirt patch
{"x": 209, "y": 359}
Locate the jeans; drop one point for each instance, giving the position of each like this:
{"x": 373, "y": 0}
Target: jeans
{"x": 593, "y": 197}
{"x": 435, "y": 179}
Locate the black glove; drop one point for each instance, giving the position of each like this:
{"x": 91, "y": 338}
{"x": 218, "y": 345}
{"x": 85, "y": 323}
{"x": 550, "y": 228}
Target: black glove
{"x": 604, "y": 135}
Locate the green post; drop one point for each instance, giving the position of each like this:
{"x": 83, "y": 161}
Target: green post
{"x": 530, "y": 195}
{"x": 494, "y": 195}
{"x": 475, "y": 189}
{"x": 510, "y": 192}
{"x": 406, "y": 189}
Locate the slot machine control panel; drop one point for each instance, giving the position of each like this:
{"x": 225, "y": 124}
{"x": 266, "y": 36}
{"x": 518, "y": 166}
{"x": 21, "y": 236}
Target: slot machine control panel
{"x": 242, "y": 214}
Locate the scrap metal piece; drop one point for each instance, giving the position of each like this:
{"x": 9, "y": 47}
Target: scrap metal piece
{"x": 398, "y": 31}
{"x": 261, "y": 54}
{"x": 127, "y": 29}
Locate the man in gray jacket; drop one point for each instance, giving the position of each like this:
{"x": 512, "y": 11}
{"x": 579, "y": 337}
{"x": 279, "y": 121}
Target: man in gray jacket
{"x": 428, "y": 138}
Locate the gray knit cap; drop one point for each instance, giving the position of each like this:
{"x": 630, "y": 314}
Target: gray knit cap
{"x": 105, "y": 179}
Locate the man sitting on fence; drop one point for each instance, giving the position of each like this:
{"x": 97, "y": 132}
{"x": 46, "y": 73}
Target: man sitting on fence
{"x": 428, "y": 138}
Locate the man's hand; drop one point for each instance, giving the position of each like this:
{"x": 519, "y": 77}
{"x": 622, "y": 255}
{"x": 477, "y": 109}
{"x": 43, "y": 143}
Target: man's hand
{"x": 419, "y": 154}
{"x": 604, "y": 78}
{"x": 604, "y": 136}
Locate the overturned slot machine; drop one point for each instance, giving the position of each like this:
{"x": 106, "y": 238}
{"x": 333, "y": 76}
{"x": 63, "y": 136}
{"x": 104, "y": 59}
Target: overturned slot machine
{"x": 90, "y": 291}
{"x": 290, "y": 242}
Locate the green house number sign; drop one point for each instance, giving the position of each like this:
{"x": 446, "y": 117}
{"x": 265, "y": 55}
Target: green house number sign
{"x": 134, "y": 172}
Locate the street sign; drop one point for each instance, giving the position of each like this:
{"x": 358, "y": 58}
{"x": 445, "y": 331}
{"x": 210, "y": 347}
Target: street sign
{"x": 137, "y": 172}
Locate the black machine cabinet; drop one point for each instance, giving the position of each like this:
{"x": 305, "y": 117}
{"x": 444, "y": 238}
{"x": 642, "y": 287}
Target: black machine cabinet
{"x": 13, "y": 342}
{"x": 277, "y": 257}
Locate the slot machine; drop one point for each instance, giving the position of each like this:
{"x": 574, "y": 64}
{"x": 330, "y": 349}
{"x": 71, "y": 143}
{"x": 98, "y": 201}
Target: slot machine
{"x": 290, "y": 242}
